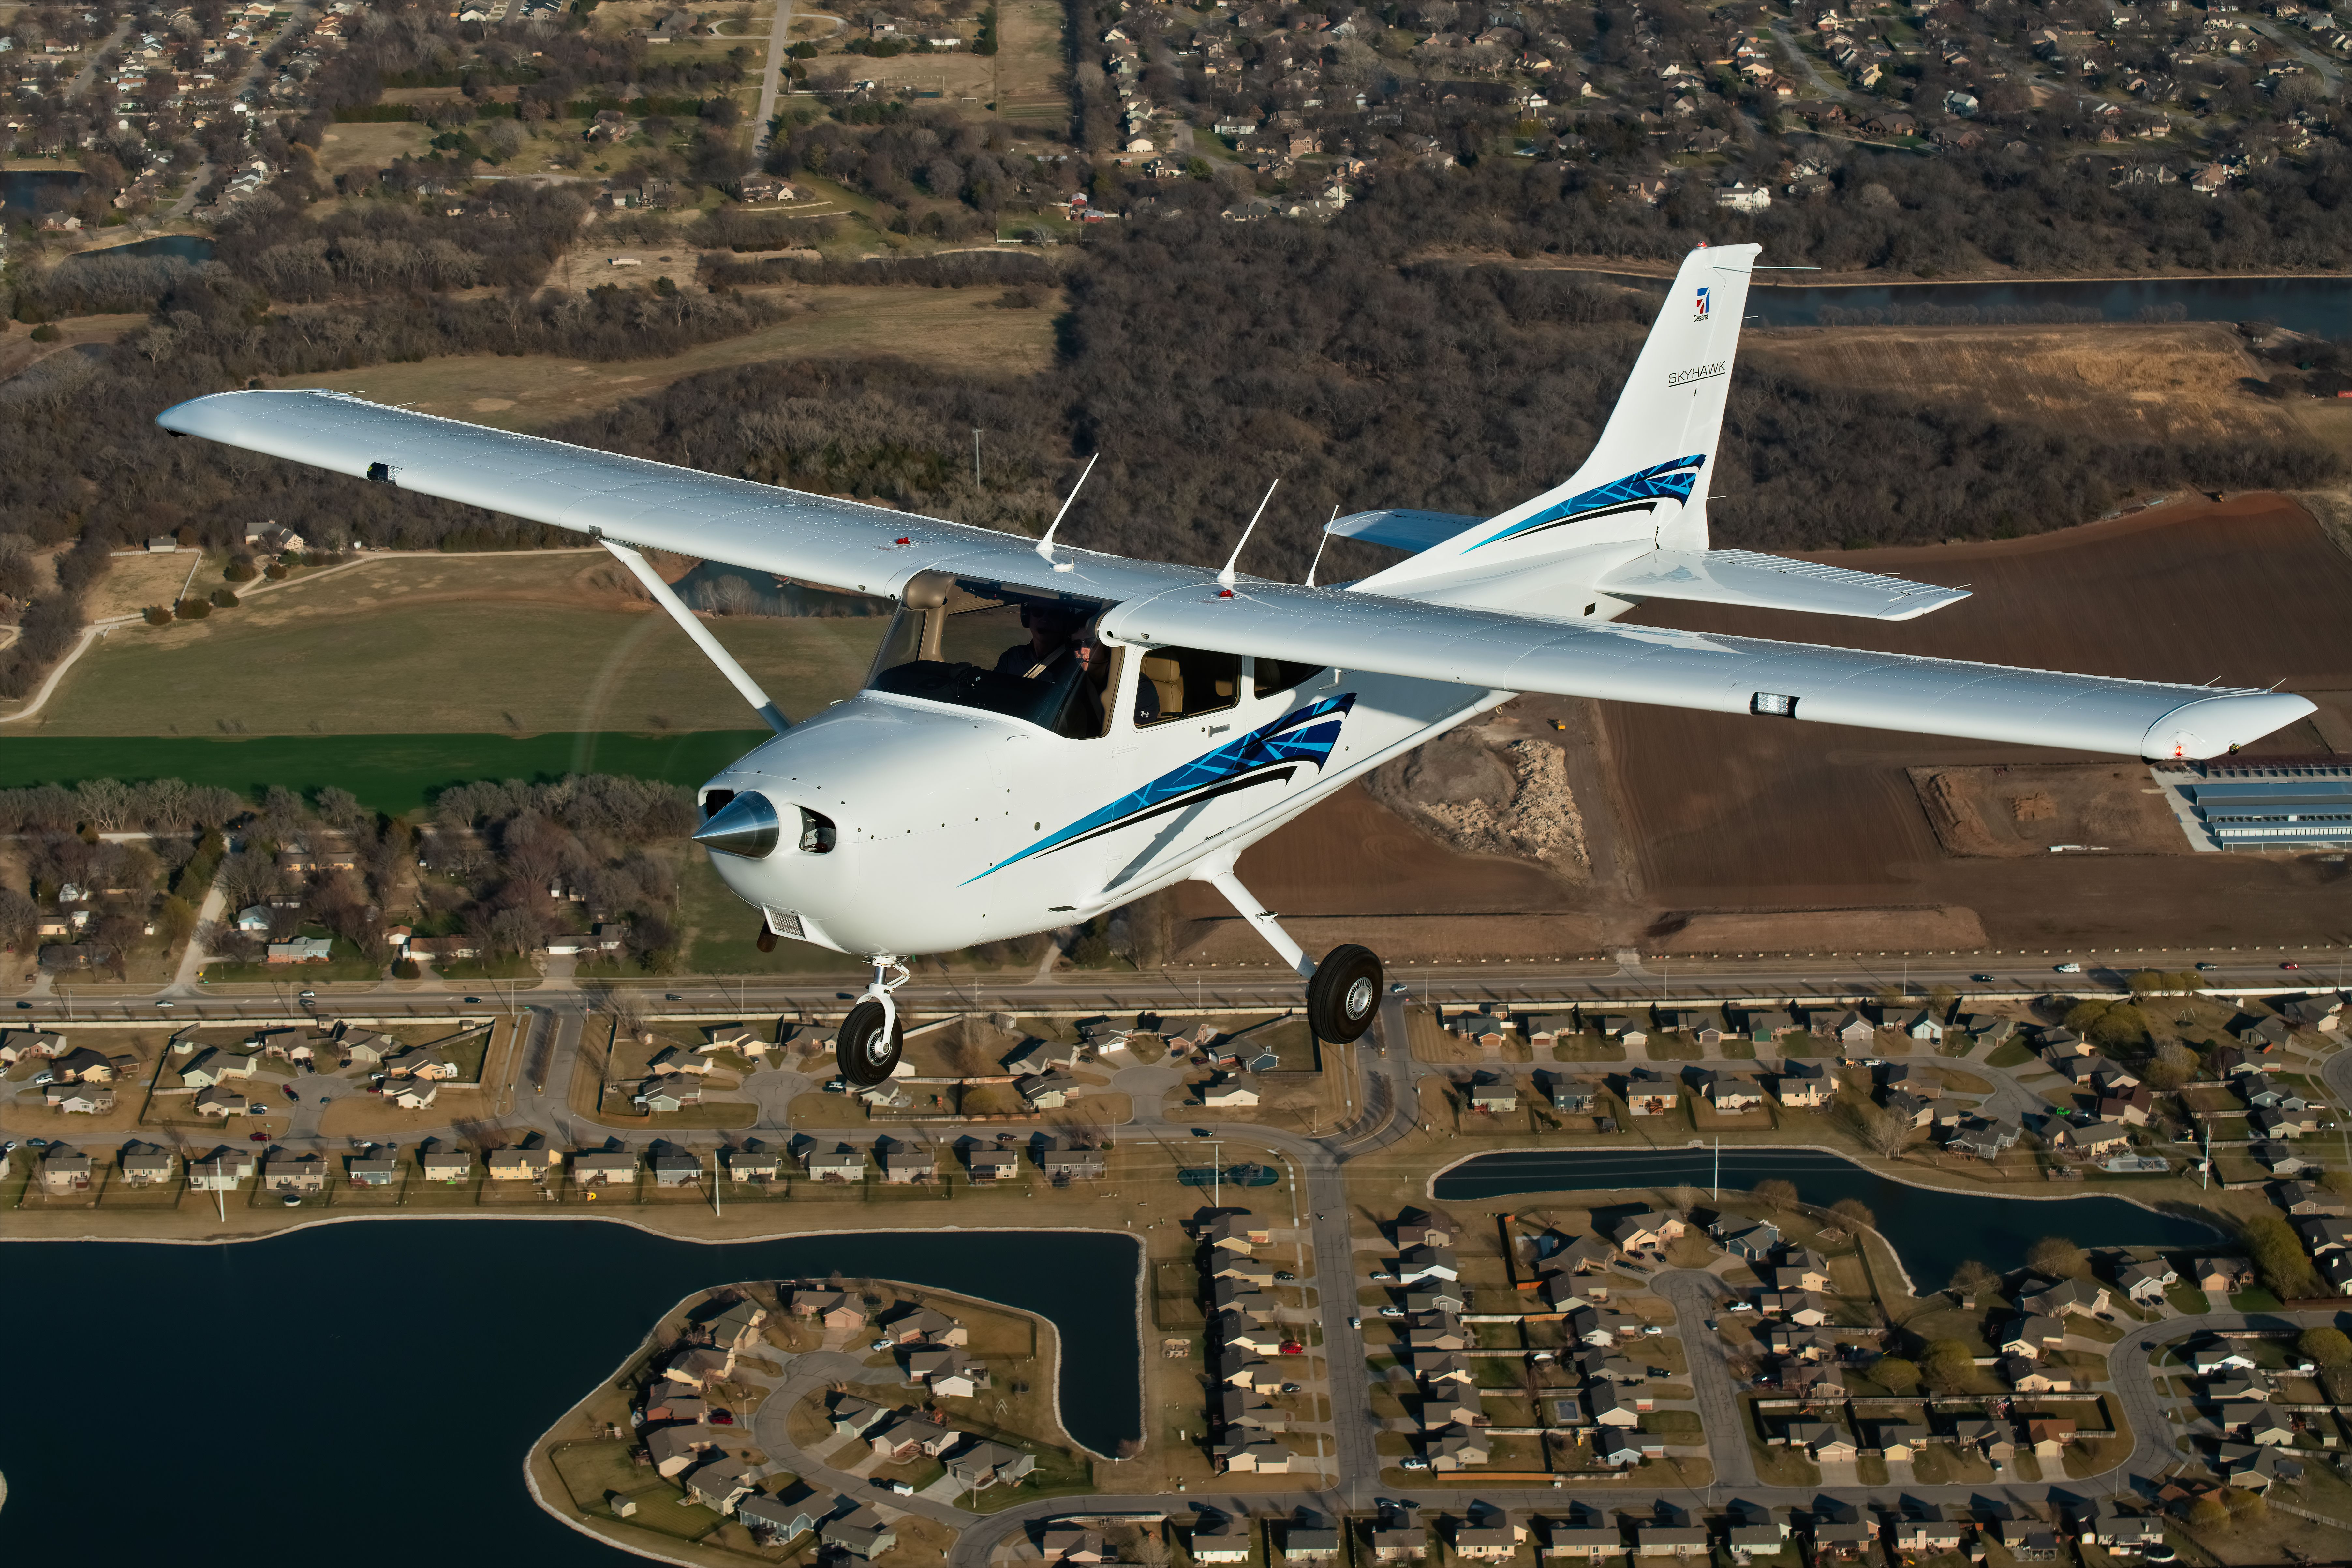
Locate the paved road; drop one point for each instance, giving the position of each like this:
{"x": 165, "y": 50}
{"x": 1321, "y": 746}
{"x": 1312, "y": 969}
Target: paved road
{"x": 771, "y": 84}
{"x": 2328, "y": 71}
{"x": 813, "y": 1372}
{"x": 1819, "y": 79}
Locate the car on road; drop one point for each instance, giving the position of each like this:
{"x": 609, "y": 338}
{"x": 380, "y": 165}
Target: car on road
{"x": 1293, "y": 1387}
{"x": 308, "y": 994}
{"x": 473, "y": 1001}
{"x": 1203, "y": 1133}
{"x": 881, "y": 1345}
{"x": 1412, "y": 1462}
{"x": 2290, "y": 967}
{"x": 256, "y": 1137}
{"x": 1382, "y": 1276}
{"x": 1652, "y": 1329}
{"x": 8, "y": 1145}
{"x": 2207, "y": 968}
{"x": 2069, "y": 967}
{"x": 36, "y": 1142}
{"x": 722, "y": 1418}
{"x": 165, "y": 1002}
{"x": 24, "y": 1004}
{"x": 1285, "y": 1275}
{"x": 672, "y": 996}
{"x": 1391, "y": 1311}
{"x": 901, "y": 1487}
{"x": 291, "y": 1095}
{"x": 1353, "y": 1322}
{"x": 1399, "y": 988}
{"x": 1981, "y": 979}
{"x": 836, "y": 1086}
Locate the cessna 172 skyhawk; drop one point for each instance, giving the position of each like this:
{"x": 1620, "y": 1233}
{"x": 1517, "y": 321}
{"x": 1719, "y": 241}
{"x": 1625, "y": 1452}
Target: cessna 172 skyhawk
{"x": 1049, "y": 733}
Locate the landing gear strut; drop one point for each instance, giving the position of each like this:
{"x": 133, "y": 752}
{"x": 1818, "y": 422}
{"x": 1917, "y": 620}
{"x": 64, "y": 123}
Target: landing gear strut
{"x": 1343, "y": 992}
{"x": 872, "y": 1037}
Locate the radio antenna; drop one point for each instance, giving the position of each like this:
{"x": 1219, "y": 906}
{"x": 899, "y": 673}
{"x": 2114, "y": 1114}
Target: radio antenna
{"x": 1226, "y": 577}
{"x": 1046, "y": 546}
{"x": 1319, "y": 544}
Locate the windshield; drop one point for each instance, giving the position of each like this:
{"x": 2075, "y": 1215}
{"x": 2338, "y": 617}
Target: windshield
{"x": 1028, "y": 654}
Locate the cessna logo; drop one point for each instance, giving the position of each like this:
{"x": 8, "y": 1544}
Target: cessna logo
{"x": 1697, "y": 372}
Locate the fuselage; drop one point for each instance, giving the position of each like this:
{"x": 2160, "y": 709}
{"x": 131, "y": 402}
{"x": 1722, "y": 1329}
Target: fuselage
{"x": 950, "y": 826}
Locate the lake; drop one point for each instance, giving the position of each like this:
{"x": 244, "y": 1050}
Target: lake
{"x": 1932, "y": 1230}
{"x": 20, "y": 189}
{"x": 367, "y": 1392}
{"x": 390, "y": 772}
{"x": 178, "y": 246}
{"x": 2319, "y": 306}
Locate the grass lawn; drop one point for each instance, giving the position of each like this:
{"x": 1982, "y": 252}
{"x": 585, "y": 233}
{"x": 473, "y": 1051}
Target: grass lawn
{"x": 2010, "y": 1053}
{"x": 429, "y": 668}
{"x": 954, "y": 329}
{"x": 1870, "y": 1469}
{"x": 2255, "y": 1300}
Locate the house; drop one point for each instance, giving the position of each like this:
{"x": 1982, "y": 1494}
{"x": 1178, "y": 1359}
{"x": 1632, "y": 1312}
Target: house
{"x": 1986, "y": 1139}
{"x": 986, "y": 1464}
{"x": 1224, "y": 1091}
{"x": 144, "y": 1164}
{"x": 1670, "y": 1541}
{"x": 285, "y": 1172}
{"x": 1048, "y": 1091}
{"x": 1495, "y": 1096}
{"x": 604, "y": 1167}
{"x": 1250, "y": 1455}
{"x": 2048, "y": 1298}
{"x": 751, "y": 1162}
{"x": 1310, "y": 1540}
{"x": 1492, "y": 1538}
{"x": 2224, "y": 1275}
{"x": 1571, "y": 1096}
{"x": 1063, "y": 1166}
{"x": 2144, "y": 1283}
{"x": 64, "y": 1170}
{"x": 1075, "y": 1544}
{"x": 221, "y": 1170}
{"x": 16, "y": 1045}
{"x": 1734, "y": 1092}
{"x": 1802, "y": 1086}
{"x": 2299, "y": 1199}
{"x": 843, "y": 1163}
{"x": 860, "y": 1532}
{"x": 1425, "y": 1228}
{"x": 1822, "y": 1440}
{"x": 78, "y": 1099}
{"x": 772, "y": 1516}
{"x": 377, "y": 1165}
{"x": 903, "y": 1164}
{"x": 213, "y": 1067}
{"x": 673, "y": 1166}
{"x": 1218, "y": 1538}
{"x": 527, "y": 1162}
{"x": 1417, "y": 1263}
{"x": 1649, "y": 1094}
{"x": 1850, "y": 1028}
{"x": 1460, "y": 1449}
{"x": 1584, "y": 1537}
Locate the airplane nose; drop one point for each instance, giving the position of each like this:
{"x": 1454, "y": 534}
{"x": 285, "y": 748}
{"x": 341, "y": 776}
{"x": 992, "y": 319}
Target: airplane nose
{"x": 746, "y": 825}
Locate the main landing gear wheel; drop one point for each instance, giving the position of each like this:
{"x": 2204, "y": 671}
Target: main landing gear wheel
{"x": 869, "y": 1043}
{"x": 1344, "y": 995}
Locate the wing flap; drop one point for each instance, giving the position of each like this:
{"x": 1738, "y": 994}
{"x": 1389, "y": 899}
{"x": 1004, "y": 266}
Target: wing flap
{"x": 1720, "y": 674}
{"x": 1773, "y": 582}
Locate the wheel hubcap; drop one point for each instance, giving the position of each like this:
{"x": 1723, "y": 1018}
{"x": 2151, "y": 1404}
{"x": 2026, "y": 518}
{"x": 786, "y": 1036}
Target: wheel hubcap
{"x": 878, "y": 1047}
{"x": 1359, "y": 998}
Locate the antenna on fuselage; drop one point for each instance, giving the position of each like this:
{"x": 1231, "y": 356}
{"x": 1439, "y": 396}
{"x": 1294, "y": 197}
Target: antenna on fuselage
{"x": 1226, "y": 577}
{"x": 1046, "y": 545}
{"x": 1319, "y": 545}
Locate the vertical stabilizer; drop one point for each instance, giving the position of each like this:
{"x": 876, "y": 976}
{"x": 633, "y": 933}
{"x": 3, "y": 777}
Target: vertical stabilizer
{"x": 1646, "y": 482}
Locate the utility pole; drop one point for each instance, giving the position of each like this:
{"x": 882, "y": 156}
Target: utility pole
{"x": 975, "y": 457}
{"x": 1718, "y": 1167}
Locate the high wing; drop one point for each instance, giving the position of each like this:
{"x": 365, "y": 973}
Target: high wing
{"x": 650, "y": 505}
{"x": 1689, "y": 670}
{"x": 874, "y": 550}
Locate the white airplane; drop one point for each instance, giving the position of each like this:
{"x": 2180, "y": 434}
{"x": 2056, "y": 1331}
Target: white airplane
{"x": 1049, "y": 733}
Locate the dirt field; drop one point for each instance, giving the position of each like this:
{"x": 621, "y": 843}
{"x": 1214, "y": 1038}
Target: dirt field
{"x": 1720, "y": 811}
{"x": 2170, "y": 383}
{"x": 2008, "y": 812}
{"x": 955, "y": 329}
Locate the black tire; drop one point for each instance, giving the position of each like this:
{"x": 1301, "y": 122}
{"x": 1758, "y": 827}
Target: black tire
{"x": 865, "y": 1058}
{"x": 1344, "y": 997}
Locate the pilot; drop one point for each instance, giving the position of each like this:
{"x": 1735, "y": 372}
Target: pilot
{"x": 1095, "y": 657}
{"x": 1049, "y": 629}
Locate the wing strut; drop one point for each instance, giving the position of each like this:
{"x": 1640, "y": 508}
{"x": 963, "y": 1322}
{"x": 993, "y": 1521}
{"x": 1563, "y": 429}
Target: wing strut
{"x": 737, "y": 676}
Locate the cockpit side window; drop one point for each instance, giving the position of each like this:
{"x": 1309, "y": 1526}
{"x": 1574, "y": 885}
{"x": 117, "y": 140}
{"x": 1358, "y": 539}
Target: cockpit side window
{"x": 1184, "y": 683}
{"x": 1030, "y": 653}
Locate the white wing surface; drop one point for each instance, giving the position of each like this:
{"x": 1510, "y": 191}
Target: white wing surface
{"x": 1773, "y": 582}
{"x": 1689, "y": 670}
{"x": 654, "y": 506}
{"x": 874, "y": 550}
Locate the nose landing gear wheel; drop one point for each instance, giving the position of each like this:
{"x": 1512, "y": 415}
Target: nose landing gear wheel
{"x": 868, "y": 1044}
{"x": 1344, "y": 993}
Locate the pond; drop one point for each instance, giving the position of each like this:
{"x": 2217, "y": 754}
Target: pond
{"x": 367, "y": 1392}
{"x": 1932, "y": 1230}
{"x": 178, "y": 246}
{"x": 20, "y": 189}
{"x": 2319, "y": 306}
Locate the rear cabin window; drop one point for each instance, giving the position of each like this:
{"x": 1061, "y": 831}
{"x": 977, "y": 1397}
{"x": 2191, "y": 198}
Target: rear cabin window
{"x": 1184, "y": 683}
{"x": 1269, "y": 676}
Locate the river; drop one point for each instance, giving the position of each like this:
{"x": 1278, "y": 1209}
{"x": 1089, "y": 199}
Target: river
{"x": 367, "y": 1392}
{"x": 2321, "y": 307}
{"x": 1931, "y": 1229}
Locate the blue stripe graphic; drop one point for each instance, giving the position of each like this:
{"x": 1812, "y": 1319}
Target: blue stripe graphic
{"x": 1303, "y": 736}
{"x": 1666, "y": 480}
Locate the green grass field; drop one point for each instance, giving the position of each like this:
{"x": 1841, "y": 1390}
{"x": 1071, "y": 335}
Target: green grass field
{"x": 410, "y": 669}
{"x": 390, "y": 772}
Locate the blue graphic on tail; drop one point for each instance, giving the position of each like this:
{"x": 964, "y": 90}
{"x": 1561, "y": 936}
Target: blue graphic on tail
{"x": 1267, "y": 755}
{"x": 1666, "y": 481}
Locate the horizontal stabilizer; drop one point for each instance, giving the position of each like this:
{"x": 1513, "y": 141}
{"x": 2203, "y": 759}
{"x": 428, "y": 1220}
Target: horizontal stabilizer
{"x": 1402, "y": 530}
{"x": 1773, "y": 582}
